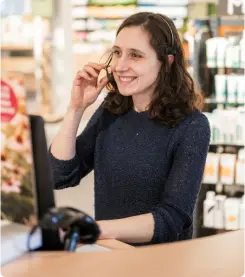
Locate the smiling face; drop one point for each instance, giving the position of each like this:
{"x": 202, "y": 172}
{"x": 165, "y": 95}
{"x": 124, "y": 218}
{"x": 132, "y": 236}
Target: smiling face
{"x": 134, "y": 65}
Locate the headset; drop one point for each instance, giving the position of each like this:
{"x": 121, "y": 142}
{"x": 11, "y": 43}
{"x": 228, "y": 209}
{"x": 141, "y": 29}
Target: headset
{"x": 169, "y": 51}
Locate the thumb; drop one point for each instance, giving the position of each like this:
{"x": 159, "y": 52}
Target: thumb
{"x": 102, "y": 83}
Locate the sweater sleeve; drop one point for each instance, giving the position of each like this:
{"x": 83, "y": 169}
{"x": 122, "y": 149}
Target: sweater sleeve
{"x": 174, "y": 214}
{"x": 68, "y": 173}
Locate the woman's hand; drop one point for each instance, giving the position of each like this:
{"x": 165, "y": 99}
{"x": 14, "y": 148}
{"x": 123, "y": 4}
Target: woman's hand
{"x": 86, "y": 87}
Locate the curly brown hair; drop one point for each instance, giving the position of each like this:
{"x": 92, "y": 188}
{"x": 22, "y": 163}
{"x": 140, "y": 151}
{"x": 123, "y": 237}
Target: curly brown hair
{"x": 175, "y": 95}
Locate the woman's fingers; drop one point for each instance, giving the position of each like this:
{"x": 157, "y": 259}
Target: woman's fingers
{"x": 102, "y": 83}
{"x": 91, "y": 71}
{"x": 82, "y": 74}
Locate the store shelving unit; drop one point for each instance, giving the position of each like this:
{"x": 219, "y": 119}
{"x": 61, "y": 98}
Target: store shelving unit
{"x": 94, "y": 23}
{"x": 224, "y": 27}
{"x": 19, "y": 60}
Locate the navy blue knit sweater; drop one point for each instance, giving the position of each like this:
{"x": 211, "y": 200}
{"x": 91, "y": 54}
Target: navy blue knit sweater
{"x": 141, "y": 166}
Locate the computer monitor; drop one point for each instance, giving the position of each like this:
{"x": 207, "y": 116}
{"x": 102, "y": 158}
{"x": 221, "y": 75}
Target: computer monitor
{"x": 43, "y": 180}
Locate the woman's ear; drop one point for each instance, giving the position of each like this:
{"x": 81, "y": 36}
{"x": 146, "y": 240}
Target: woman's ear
{"x": 170, "y": 59}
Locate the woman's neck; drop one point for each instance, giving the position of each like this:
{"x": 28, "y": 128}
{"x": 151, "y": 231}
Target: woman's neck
{"x": 141, "y": 102}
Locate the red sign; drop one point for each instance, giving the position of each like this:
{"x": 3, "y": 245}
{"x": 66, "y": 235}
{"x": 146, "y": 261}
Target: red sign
{"x": 8, "y": 102}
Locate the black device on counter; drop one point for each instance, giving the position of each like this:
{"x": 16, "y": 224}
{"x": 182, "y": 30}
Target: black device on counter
{"x": 79, "y": 226}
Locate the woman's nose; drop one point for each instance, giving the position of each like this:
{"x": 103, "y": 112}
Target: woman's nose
{"x": 121, "y": 64}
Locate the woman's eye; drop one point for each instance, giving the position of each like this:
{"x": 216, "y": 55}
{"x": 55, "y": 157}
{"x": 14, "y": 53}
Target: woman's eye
{"x": 116, "y": 52}
{"x": 134, "y": 55}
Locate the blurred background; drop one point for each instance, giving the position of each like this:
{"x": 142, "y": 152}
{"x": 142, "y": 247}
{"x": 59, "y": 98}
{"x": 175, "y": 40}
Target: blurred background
{"x": 44, "y": 43}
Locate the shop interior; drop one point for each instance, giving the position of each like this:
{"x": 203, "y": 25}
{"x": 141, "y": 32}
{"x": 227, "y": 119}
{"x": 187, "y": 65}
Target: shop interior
{"x": 44, "y": 44}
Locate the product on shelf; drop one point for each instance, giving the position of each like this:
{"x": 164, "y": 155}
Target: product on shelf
{"x": 241, "y": 213}
{"x": 220, "y": 87}
{"x": 208, "y": 209}
{"x": 240, "y": 168}
{"x": 225, "y": 52}
{"x": 211, "y": 52}
{"x": 227, "y": 126}
{"x": 79, "y": 2}
{"x": 219, "y": 222}
{"x": 211, "y": 171}
{"x": 227, "y": 168}
{"x": 220, "y": 212}
{"x": 111, "y": 2}
{"x": 230, "y": 88}
{"x": 242, "y": 47}
{"x": 231, "y": 212}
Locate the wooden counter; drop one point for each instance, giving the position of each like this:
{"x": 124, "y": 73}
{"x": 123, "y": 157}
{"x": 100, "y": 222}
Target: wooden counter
{"x": 216, "y": 256}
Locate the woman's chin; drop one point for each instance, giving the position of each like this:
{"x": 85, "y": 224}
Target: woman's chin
{"x": 127, "y": 92}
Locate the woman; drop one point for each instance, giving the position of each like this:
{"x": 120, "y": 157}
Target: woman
{"x": 147, "y": 142}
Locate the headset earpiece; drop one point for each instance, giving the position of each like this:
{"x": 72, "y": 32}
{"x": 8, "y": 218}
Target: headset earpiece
{"x": 171, "y": 51}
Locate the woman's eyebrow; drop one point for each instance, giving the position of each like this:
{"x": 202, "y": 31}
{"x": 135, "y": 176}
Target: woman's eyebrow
{"x": 132, "y": 49}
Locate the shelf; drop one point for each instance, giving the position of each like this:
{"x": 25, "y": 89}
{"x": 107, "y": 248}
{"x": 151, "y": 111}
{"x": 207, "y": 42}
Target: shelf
{"x": 233, "y": 188}
{"x": 226, "y": 145}
{"x": 213, "y": 101}
{"x": 220, "y": 230}
{"x": 25, "y": 65}
{"x": 13, "y": 47}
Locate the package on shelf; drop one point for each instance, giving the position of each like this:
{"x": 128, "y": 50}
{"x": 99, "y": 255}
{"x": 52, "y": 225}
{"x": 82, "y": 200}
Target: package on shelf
{"x": 231, "y": 212}
{"x": 211, "y": 171}
{"x": 232, "y": 55}
{"x": 220, "y": 87}
{"x": 148, "y": 2}
{"x": 17, "y": 30}
{"x": 241, "y": 88}
{"x": 240, "y": 126}
{"x": 79, "y": 12}
{"x": 227, "y": 126}
{"x": 211, "y": 52}
{"x": 240, "y": 168}
{"x": 210, "y": 120}
{"x": 111, "y": 11}
{"x": 222, "y": 44}
{"x": 241, "y": 213}
{"x": 79, "y": 2}
{"x": 220, "y": 212}
{"x": 162, "y": 2}
{"x": 172, "y": 11}
{"x": 229, "y": 88}
{"x": 112, "y": 2}
{"x": 17, "y": 175}
{"x": 232, "y": 88}
{"x": 227, "y": 168}
{"x": 242, "y": 47}
{"x": 225, "y": 52}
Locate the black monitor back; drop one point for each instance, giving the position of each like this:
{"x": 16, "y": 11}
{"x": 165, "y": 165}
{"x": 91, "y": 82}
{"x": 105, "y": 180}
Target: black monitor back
{"x": 44, "y": 180}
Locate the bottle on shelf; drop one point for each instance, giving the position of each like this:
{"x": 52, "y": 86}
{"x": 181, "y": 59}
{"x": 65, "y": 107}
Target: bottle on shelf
{"x": 208, "y": 209}
{"x": 240, "y": 168}
{"x": 219, "y": 211}
{"x": 241, "y": 213}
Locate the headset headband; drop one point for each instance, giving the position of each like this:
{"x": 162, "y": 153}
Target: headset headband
{"x": 172, "y": 50}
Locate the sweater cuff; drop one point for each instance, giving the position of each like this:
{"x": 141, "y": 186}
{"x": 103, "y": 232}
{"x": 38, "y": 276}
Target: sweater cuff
{"x": 65, "y": 165}
{"x": 157, "y": 227}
